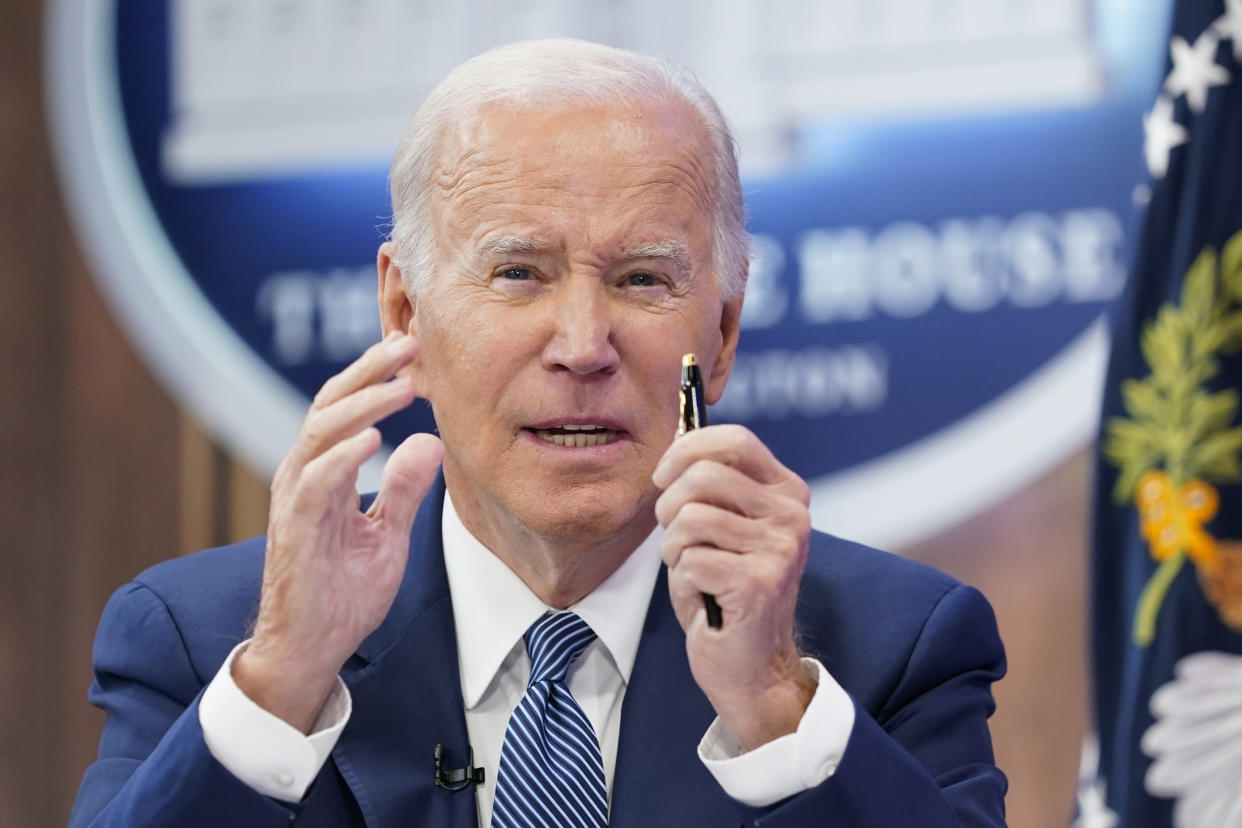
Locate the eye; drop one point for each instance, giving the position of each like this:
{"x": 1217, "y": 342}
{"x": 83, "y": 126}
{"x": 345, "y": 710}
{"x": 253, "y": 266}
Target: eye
{"x": 517, "y": 274}
{"x": 641, "y": 280}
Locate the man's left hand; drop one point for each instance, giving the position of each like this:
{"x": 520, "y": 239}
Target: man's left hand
{"x": 737, "y": 527}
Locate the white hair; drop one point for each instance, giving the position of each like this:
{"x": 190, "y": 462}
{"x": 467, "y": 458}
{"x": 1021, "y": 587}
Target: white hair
{"x": 546, "y": 73}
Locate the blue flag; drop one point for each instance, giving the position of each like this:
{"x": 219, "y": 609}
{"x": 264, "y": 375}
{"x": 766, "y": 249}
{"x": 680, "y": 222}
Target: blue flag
{"x": 1167, "y": 570}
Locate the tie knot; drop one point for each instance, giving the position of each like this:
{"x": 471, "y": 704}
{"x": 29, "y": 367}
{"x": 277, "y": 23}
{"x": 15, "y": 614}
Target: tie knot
{"x": 554, "y": 641}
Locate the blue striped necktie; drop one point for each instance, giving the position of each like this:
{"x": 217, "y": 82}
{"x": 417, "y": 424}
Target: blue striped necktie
{"x": 551, "y": 771}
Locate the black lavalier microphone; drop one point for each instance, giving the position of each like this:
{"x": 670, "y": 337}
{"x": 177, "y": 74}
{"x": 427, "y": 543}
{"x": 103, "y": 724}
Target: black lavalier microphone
{"x": 460, "y": 779}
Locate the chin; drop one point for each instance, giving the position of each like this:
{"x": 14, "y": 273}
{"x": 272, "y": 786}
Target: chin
{"x": 588, "y": 512}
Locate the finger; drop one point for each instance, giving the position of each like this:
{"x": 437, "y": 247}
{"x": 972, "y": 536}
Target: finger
{"x": 699, "y": 524}
{"x": 732, "y": 445}
{"x": 712, "y": 482}
{"x": 336, "y": 470}
{"x": 379, "y": 362}
{"x": 703, "y": 569}
{"x": 407, "y": 476}
{"x": 324, "y": 428}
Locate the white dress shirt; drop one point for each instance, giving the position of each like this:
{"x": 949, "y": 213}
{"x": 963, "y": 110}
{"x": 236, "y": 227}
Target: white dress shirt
{"x": 492, "y": 609}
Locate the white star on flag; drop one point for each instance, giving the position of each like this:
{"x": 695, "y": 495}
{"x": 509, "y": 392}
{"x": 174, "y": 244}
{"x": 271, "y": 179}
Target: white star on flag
{"x": 1195, "y": 69}
{"x": 1093, "y": 812}
{"x": 1229, "y": 25}
{"x": 1160, "y": 135}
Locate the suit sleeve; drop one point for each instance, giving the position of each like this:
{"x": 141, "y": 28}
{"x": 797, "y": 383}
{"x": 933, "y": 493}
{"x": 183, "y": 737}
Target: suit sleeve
{"x": 154, "y": 769}
{"x": 925, "y": 757}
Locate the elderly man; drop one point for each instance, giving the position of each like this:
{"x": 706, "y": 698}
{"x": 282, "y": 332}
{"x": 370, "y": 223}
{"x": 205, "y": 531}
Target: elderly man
{"x": 567, "y": 223}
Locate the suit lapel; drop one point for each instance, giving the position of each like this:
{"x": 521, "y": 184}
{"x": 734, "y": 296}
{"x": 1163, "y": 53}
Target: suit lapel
{"x": 659, "y": 779}
{"x": 406, "y": 692}
{"x": 407, "y": 697}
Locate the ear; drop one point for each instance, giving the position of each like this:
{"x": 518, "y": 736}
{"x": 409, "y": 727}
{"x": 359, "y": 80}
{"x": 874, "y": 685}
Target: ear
{"x": 396, "y": 307}
{"x": 730, "y": 328}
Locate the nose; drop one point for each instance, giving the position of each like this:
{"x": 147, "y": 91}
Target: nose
{"x": 583, "y": 332}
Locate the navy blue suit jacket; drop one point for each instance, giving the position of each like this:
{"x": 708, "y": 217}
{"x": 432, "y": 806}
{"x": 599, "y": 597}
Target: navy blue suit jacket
{"x": 916, "y": 651}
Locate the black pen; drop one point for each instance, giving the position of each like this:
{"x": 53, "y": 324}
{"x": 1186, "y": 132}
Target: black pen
{"x": 694, "y": 415}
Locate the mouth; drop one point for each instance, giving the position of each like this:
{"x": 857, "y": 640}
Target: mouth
{"x": 576, "y": 436}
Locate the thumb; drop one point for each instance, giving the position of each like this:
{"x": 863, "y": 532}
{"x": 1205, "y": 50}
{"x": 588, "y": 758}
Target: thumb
{"x": 407, "y": 476}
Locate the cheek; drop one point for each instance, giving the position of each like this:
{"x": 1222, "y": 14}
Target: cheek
{"x": 664, "y": 340}
{"x": 466, "y": 357}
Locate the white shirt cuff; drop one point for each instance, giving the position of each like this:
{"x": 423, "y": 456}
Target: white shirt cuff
{"x": 262, "y": 750}
{"x": 791, "y": 764}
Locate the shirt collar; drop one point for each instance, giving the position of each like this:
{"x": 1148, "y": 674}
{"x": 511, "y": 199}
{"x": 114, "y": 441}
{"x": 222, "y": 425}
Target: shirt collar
{"x": 493, "y": 607}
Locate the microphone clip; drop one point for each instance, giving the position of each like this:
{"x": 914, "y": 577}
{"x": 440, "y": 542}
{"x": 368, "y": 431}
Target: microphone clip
{"x": 459, "y": 779}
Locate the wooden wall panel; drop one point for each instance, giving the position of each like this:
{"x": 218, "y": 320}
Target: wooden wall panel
{"x": 31, "y": 357}
{"x": 1029, "y": 556}
{"x": 90, "y": 490}
{"x": 222, "y": 500}
{"x": 117, "y": 505}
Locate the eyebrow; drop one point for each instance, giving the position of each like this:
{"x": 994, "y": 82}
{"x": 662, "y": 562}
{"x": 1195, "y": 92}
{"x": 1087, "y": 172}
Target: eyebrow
{"x": 504, "y": 245}
{"x": 674, "y": 250}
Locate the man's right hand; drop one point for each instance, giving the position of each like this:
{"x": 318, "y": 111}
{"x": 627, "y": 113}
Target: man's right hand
{"x": 332, "y": 571}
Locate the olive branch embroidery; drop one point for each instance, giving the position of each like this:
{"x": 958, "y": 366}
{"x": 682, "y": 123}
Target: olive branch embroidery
{"x": 1179, "y": 434}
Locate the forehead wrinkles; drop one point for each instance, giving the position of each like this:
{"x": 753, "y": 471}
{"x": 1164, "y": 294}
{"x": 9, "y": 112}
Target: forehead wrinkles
{"x": 579, "y": 154}
{"x": 471, "y": 170}
{"x": 682, "y": 173}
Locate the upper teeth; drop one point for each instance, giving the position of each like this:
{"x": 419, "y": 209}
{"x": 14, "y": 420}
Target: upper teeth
{"x": 583, "y": 436}
{"x": 568, "y": 427}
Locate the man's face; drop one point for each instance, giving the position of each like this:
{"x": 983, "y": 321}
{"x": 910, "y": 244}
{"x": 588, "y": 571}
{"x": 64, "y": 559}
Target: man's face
{"x": 575, "y": 267}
